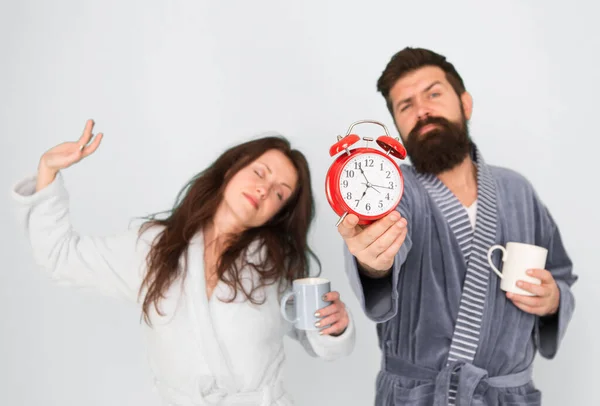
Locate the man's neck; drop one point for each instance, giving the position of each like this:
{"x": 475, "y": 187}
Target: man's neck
{"x": 462, "y": 181}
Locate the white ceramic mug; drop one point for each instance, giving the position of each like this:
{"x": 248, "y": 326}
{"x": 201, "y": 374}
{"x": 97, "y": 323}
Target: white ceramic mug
{"x": 517, "y": 258}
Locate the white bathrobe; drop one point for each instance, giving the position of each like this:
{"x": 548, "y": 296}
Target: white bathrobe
{"x": 201, "y": 352}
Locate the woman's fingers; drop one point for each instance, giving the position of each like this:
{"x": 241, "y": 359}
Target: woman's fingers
{"x": 87, "y": 150}
{"x": 87, "y": 134}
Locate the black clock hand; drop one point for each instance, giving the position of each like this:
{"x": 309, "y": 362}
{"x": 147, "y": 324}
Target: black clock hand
{"x": 363, "y": 174}
{"x": 371, "y": 186}
{"x": 363, "y": 195}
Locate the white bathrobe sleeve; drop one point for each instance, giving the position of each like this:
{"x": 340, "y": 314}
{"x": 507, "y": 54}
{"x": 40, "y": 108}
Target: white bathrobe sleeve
{"x": 113, "y": 265}
{"x": 326, "y": 346}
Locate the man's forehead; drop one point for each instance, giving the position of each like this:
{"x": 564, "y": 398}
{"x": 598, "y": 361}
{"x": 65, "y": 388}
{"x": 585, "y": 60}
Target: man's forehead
{"x": 417, "y": 81}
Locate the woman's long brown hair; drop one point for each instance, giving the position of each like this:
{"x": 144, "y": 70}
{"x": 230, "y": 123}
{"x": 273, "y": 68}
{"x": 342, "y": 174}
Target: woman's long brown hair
{"x": 283, "y": 238}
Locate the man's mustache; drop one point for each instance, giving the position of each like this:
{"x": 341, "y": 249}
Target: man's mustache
{"x": 440, "y": 121}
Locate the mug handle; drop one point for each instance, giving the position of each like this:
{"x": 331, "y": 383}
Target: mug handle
{"x": 490, "y": 251}
{"x": 284, "y": 300}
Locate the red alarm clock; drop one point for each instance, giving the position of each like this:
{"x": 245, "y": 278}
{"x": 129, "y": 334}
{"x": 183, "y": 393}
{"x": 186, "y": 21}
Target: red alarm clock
{"x": 365, "y": 181}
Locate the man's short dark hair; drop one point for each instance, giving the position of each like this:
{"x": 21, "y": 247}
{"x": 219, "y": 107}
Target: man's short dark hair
{"x": 409, "y": 60}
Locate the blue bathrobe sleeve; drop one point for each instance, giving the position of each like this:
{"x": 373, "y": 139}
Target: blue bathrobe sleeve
{"x": 378, "y": 297}
{"x": 549, "y": 330}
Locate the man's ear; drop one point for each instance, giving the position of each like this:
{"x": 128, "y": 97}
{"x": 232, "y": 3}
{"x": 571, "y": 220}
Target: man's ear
{"x": 467, "y": 102}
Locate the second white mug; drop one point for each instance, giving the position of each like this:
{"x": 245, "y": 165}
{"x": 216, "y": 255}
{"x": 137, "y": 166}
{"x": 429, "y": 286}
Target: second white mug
{"x": 517, "y": 258}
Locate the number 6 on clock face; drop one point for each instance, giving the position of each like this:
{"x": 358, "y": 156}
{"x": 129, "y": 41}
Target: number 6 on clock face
{"x": 370, "y": 184}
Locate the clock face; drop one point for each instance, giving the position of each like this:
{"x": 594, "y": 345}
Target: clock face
{"x": 370, "y": 184}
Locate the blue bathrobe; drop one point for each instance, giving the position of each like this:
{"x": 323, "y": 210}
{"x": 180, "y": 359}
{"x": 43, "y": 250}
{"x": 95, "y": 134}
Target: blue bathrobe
{"x": 447, "y": 332}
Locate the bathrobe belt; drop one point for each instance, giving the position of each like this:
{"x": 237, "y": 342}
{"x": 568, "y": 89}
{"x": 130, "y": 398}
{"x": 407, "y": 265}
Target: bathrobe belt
{"x": 469, "y": 378}
{"x": 263, "y": 397}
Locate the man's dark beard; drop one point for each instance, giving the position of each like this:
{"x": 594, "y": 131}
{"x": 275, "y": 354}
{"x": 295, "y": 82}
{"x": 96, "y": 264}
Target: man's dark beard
{"x": 441, "y": 148}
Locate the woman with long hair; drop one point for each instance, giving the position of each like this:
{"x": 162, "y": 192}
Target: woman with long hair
{"x": 208, "y": 275}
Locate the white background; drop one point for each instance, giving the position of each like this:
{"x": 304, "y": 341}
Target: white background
{"x": 172, "y": 83}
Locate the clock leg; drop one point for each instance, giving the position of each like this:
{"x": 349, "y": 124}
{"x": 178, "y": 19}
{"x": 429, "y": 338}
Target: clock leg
{"x": 341, "y": 219}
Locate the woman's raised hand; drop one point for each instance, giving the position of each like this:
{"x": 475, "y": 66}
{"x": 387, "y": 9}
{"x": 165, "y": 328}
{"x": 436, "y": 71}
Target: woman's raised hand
{"x": 66, "y": 154}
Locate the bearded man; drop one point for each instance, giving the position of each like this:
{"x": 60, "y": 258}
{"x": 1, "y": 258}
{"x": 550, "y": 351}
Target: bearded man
{"x": 447, "y": 332}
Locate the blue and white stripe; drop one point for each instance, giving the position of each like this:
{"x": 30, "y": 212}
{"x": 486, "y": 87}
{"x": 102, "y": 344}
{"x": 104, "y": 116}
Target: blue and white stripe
{"x": 474, "y": 246}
